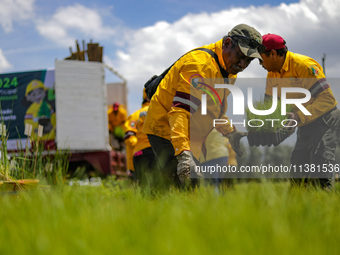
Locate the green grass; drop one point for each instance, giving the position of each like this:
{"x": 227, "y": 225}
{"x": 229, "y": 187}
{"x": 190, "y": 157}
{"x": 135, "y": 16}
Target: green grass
{"x": 252, "y": 218}
{"x": 268, "y": 126}
{"x": 49, "y": 167}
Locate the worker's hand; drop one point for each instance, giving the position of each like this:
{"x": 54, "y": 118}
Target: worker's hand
{"x": 290, "y": 127}
{"x": 234, "y": 140}
{"x": 293, "y": 115}
{"x": 332, "y": 119}
{"x": 185, "y": 165}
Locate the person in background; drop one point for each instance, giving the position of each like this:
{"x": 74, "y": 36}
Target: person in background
{"x": 117, "y": 116}
{"x": 215, "y": 154}
{"x": 139, "y": 151}
{"x": 130, "y": 141}
{"x": 218, "y": 152}
{"x": 316, "y": 136}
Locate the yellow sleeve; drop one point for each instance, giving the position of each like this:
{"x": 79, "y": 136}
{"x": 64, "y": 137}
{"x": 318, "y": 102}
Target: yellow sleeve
{"x": 225, "y": 129}
{"x": 130, "y": 138}
{"x": 322, "y": 99}
{"x": 179, "y": 123}
{"x": 232, "y": 155}
{"x": 130, "y": 144}
{"x": 143, "y": 141}
{"x": 323, "y": 103}
{"x": 131, "y": 122}
{"x": 185, "y": 102}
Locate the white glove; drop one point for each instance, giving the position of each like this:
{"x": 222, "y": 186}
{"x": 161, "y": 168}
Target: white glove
{"x": 185, "y": 165}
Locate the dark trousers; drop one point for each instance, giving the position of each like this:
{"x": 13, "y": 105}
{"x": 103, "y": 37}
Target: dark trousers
{"x": 145, "y": 163}
{"x": 166, "y": 160}
{"x": 314, "y": 151}
{"x": 216, "y": 177}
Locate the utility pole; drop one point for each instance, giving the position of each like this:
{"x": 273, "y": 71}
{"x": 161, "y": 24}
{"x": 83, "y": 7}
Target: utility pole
{"x": 323, "y": 63}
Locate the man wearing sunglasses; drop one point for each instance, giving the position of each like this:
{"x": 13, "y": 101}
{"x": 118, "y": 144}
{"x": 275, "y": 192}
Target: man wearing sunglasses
{"x": 314, "y": 152}
{"x": 175, "y": 123}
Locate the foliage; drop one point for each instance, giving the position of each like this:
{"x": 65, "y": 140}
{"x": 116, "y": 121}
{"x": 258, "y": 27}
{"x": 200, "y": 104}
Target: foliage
{"x": 263, "y": 123}
{"x": 252, "y": 218}
{"x": 49, "y": 167}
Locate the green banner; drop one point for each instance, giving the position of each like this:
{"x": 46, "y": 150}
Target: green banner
{"x": 27, "y": 102}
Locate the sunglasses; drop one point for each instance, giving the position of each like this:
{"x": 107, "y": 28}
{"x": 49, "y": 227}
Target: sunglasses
{"x": 252, "y": 43}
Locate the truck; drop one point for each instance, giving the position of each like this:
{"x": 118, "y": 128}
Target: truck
{"x": 68, "y": 106}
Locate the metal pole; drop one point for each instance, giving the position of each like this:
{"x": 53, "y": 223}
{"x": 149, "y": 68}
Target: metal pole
{"x": 115, "y": 72}
{"x": 323, "y": 63}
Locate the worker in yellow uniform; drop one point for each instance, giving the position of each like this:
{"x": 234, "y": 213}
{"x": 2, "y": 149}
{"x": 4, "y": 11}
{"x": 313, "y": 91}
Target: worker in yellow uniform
{"x": 175, "y": 123}
{"x": 117, "y": 115}
{"x": 39, "y": 112}
{"x": 143, "y": 156}
{"x": 130, "y": 141}
{"x": 217, "y": 155}
{"x": 139, "y": 152}
{"x": 316, "y": 135}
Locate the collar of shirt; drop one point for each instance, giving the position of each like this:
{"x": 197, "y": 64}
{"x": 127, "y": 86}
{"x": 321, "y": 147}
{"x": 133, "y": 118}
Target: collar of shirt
{"x": 285, "y": 66}
{"x": 218, "y": 51}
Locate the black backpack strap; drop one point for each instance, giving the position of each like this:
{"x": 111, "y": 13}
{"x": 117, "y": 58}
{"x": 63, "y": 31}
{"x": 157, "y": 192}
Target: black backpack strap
{"x": 152, "y": 84}
{"x": 214, "y": 55}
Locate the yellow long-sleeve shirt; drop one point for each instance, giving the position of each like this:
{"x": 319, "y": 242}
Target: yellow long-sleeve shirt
{"x": 142, "y": 138}
{"x": 303, "y": 72}
{"x": 218, "y": 146}
{"x": 175, "y": 111}
{"x": 135, "y": 139}
{"x": 130, "y": 138}
{"x": 116, "y": 118}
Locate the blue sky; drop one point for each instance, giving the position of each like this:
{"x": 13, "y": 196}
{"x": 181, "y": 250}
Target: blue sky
{"x": 137, "y": 14}
{"x": 141, "y": 38}
{"x": 21, "y": 39}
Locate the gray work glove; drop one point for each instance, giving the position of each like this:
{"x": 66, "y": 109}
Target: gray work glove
{"x": 332, "y": 119}
{"x": 234, "y": 140}
{"x": 185, "y": 165}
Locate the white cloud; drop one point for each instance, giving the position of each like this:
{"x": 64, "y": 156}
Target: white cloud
{"x": 73, "y": 22}
{"x": 309, "y": 27}
{"x": 14, "y": 10}
{"x": 4, "y": 64}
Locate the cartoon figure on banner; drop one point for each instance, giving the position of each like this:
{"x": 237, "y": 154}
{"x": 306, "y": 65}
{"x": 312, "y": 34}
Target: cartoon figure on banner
{"x": 39, "y": 111}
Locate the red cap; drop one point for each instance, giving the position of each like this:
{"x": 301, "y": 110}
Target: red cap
{"x": 273, "y": 42}
{"x": 115, "y": 106}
